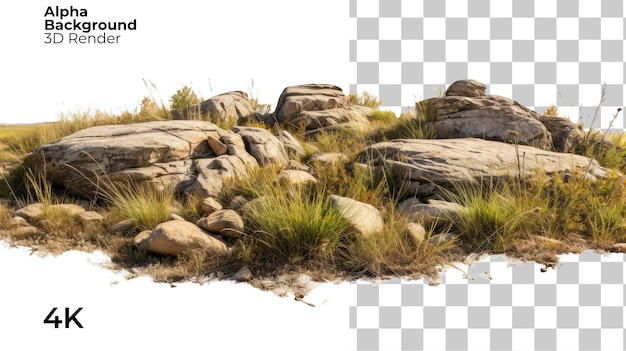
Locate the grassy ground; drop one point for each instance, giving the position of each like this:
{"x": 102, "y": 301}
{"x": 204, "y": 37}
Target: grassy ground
{"x": 293, "y": 228}
{"x": 10, "y": 131}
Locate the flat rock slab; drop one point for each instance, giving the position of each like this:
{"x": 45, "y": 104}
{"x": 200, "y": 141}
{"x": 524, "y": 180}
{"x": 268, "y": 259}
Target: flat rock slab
{"x": 449, "y": 161}
{"x": 162, "y": 153}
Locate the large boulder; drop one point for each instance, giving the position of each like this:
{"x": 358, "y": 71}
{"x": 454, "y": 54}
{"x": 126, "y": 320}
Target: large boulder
{"x": 226, "y": 107}
{"x": 319, "y": 107}
{"x": 308, "y": 97}
{"x": 449, "y": 161}
{"x": 488, "y": 117}
{"x": 174, "y": 238}
{"x": 183, "y": 155}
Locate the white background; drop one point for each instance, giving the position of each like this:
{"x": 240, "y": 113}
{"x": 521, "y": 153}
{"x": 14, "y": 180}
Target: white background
{"x": 277, "y": 43}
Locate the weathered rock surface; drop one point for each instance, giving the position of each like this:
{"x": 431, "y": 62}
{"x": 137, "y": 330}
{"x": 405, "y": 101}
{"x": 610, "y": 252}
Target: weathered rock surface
{"x": 238, "y": 202}
{"x": 292, "y": 145}
{"x": 468, "y": 88}
{"x": 166, "y": 154}
{"x": 318, "y": 107}
{"x": 415, "y": 232}
{"x": 18, "y": 227}
{"x": 433, "y": 212}
{"x": 263, "y": 146}
{"x": 449, "y": 161}
{"x": 328, "y": 157}
{"x": 140, "y": 240}
{"x": 351, "y": 118}
{"x": 224, "y": 222}
{"x": 16, "y": 221}
{"x": 244, "y": 274}
{"x": 308, "y": 97}
{"x": 91, "y": 217}
{"x": 296, "y": 177}
{"x": 565, "y": 134}
{"x": 488, "y": 117}
{"x": 210, "y": 205}
{"x": 21, "y": 232}
{"x": 173, "y": 238}
{"x": 30, "y": 211}
{"x": 229, "y": 106}
{"x": 365, "y": 218}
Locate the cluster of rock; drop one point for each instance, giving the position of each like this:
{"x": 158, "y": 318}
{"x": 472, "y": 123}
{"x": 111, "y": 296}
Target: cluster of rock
{"x": 467, "y": 112}
{"x": 479, "y": 136}
{"x": 188, "y": 156}
{"x": 229, "y": 107}
{"x": 318, "y": 107}
{"x": 177, "y": 236}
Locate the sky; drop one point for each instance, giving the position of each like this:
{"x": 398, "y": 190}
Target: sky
{"x": 212, "y": 46}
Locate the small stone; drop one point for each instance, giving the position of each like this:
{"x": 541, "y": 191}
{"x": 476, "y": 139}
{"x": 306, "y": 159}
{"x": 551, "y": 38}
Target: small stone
{"x": 217, "y": 146}
{"x": 91, "y": 216}
{"x": 69, "y": 209}
{"x": 620, "y": 247}
{"x": 415, "y": 231}
{"x": 238, "y": 202}
{"x": 175, "y": 217}
{"x": 224, "y": 222}
{"x": 174, "y": 238}
{"x": 365, "y": 218}
{"x": 22, "y": 232}
{"x": 18, "y": 222}
{"x": 31, "y": 211}
{"x": 122, "y": 226}
{"x": 328, "y": 157}
{"x": 295, "y": 177}
{"x": 244, "y": 274}
{"x": 210, "y": 205}
{"x": 140, "y": 239}
{"x": 433, "y": 212}
{"x": 443, "y": 238}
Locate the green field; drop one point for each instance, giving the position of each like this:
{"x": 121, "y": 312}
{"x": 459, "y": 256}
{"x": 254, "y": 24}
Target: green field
{"x": 8, "y": 131}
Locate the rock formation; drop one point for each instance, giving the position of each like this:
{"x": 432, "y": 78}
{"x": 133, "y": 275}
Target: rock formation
{"x": 184, "y": 155}
{"x": 449, "y": 161}
{"x": 227, "y": 107}
{"x": 318, "y": 107}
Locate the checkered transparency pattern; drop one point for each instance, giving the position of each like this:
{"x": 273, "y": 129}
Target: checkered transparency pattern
{"x": 491, "y": 305}
{"x": 538, "y": 52}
